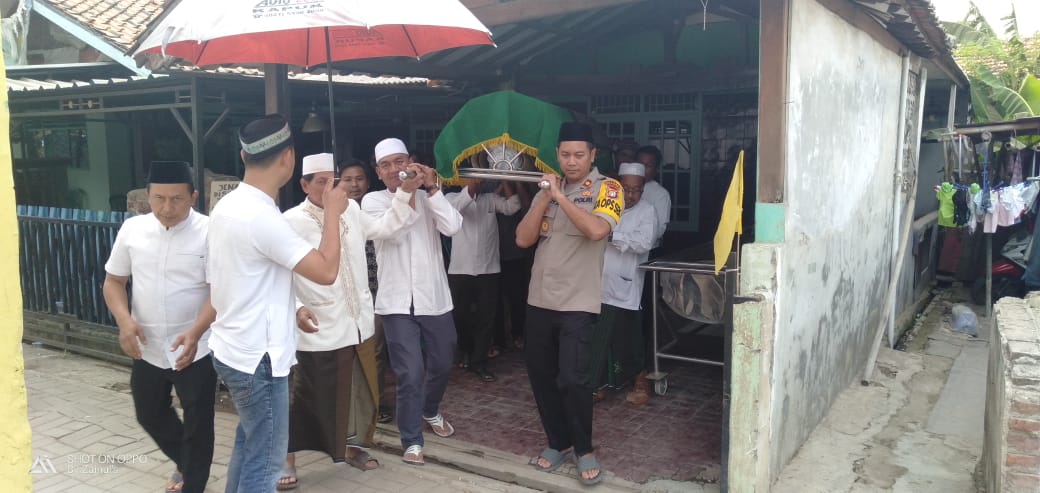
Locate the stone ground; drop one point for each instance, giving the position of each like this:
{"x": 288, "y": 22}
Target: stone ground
{"x": 85, "y": 439}
{"x": 918, "y": 426}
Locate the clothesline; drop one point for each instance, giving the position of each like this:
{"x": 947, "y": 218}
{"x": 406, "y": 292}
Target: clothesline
{"x": 967, "y": 205}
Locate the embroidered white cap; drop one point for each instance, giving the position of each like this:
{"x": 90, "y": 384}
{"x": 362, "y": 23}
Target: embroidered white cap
{"x": 318, "y": 162}
{"x": 387, "y": 147}
{"x": 632, "y": 169}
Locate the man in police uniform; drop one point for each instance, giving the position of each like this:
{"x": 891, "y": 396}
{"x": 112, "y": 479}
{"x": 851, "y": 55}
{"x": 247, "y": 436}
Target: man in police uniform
{"x": 570, "y": 222}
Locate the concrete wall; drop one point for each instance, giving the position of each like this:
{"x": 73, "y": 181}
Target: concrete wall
{"x": 833, "y": 269}
{"x": 15, "y": 447}
{"x": 1011, "y": 448}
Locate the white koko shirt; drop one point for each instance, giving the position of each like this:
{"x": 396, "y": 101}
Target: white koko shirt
{"x": 252, "y": 251}
{"x": 344, "y": 309}
{"x": 411, "y": 263}
{"x": 474, "y": 249}
{"x": 657, "y": 196}
{"x": 167, "y": 268}
{"x": 629, "y": 246}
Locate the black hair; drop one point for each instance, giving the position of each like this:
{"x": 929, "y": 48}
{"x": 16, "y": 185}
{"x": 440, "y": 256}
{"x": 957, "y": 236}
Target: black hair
{"x": 653, "y": 151}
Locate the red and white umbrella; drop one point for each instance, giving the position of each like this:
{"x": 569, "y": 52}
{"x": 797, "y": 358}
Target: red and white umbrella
{"x": 311, "y": 32}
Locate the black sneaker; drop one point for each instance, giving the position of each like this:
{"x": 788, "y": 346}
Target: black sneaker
{"x": 483, "y": 373}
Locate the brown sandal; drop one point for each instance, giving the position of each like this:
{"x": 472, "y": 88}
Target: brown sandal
{"x": 363, "y": 461}
{"x": 640, "y": 390}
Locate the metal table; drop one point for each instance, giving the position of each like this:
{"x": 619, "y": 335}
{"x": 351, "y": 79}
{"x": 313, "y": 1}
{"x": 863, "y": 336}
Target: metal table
{"x": 728, "y": 279}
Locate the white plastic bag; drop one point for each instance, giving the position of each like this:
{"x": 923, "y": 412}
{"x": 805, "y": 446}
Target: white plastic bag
{"x": 964, "y": 320}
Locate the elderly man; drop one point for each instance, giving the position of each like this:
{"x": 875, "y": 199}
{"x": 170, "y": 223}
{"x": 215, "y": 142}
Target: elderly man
{"x": 324, "y": 413}
{"x": 658, "y": 197}
{"x": 253, "y": 253}
{"x": 473, "y": 273}
{"x": 355, "y": 180}
{"x": 413, "y": 298}
{"x": 618, "y": 327}
{"x": 570, "y": 222}
{"x": 165, "y": 254}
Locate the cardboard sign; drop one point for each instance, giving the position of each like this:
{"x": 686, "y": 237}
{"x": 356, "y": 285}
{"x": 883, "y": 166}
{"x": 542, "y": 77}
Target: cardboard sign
{"x": 218, "y": 189}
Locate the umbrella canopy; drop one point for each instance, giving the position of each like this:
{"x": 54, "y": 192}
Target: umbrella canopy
{"x": 293, "y": 32}
{"x": 501, "y": 124}
{"x": 311, "y": 32}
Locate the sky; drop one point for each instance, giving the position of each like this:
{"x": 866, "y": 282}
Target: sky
{"x": 1027, "y": 11}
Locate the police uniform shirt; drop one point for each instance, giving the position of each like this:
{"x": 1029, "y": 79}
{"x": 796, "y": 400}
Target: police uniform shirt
{"x": 568, "y": 266}
{"x": 168, "y": 272}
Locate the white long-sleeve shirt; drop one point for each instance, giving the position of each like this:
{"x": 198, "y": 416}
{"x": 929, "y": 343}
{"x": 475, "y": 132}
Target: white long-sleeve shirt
{"x": 343, "y": 309}
{"x": 411, "y": 262}
{"x": 657, "y": 196}
{"x": 629, "y": 246}
{"x": 474, "y": 250}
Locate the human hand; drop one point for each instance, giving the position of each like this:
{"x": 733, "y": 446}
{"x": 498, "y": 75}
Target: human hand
{"x": 429, "y": 176}
{"x": 129, "y": 335}
{"x": 334, "y": 198}
{"x": 306, "y": 320}
{"x": 554, "y": 187}
{"x": 191, "y": 345}
{"x": 412, "y": 184}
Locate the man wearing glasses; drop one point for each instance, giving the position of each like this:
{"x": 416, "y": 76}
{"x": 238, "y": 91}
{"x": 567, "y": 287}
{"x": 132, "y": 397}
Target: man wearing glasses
{"x": 414, "y": 299}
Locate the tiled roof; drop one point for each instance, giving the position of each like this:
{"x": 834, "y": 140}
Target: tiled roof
{"x": 119, "y": 21}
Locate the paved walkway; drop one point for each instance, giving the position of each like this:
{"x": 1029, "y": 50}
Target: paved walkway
{"x": 917, "y": 428}
{"x": 85, "y": 439}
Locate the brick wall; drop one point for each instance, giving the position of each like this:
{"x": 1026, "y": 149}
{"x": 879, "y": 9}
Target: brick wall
{"x": 1011, "y": 452}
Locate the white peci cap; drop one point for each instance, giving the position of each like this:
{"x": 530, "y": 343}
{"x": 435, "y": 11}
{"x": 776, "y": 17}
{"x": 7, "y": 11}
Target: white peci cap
{"x": 318, "y": 162}
{"x": 632, "y": 169}
{"x": 387, "y": 147}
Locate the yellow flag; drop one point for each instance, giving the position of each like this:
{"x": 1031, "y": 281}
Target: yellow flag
{"x": 732, "y": 209}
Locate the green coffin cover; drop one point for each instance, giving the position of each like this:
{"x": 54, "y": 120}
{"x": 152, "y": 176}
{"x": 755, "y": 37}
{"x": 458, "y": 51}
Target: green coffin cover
{"x": 526, "y": 124}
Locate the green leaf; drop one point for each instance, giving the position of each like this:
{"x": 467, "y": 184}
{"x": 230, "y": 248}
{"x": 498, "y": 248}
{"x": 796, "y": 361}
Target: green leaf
{"x": 982, "y": 107}
{"x": 1009, "y": 102}
{"x": 1030, "y": 92}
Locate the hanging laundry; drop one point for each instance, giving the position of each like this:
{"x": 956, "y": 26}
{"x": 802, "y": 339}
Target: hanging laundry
{"x": 946, "y": 210}
{"x": 1029, "y": 195}
{"x": 1016, "y": 168}
{"x": 961, "y": 213}
{"x": 989, "y": 203}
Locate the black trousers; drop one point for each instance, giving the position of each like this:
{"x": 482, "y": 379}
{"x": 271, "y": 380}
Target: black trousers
{"x": 516, "y": 276}
{"x": 476, "y": 301}
{"x": 558, "y": 353}
{"x": 188, "y": 444}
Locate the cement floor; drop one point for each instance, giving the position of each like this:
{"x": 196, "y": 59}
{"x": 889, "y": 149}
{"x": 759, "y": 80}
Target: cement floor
{"x": 917, "y": 428}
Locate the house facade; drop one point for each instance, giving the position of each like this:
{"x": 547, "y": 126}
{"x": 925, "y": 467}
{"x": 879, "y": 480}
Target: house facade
{"x": 828, "y": 98}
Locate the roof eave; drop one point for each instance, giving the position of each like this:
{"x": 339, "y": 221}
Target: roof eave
{"x": 88, "y": 36}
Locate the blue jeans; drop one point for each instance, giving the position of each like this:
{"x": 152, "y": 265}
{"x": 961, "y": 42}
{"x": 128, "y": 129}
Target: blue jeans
{"x": 262, "y": 436}
{"x": 421, "y": 348}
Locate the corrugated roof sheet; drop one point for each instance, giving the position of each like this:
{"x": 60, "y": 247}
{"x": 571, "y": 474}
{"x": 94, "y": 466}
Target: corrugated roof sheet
{"x": 119, "y": 21}
{"x": 317, "y": 75}
{"x": 24, "y": 84}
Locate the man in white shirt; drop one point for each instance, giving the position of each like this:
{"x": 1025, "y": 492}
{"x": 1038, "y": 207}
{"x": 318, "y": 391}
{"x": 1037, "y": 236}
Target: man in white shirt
{"x": 473, "y": 273}
{"x": 657, "y": 196}
{"x": 414, "y": 299}
{"x": 164, "y": 330}
{"x": 618, "y": 329}
{"x": 325, "y": 411}
{"x": 253, "y": 253}
{"x": 653, "y": 193}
